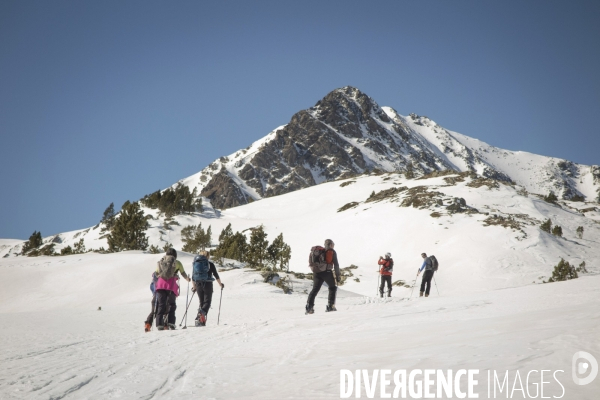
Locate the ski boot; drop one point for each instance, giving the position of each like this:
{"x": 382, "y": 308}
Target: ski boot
{"x": 309, "y": 310}
{"x": 147, "y": 327}
{"x": 329, "y": 308}
{"x": 161, "y": 328}
{"x": 389, "y": 293}
{"x": 421, "y": 294}
{"x": 201, "y": 319}
{"x": 172, "y": 327}
{"x": 381, "y": 294}
{"x": 426, "y": 294}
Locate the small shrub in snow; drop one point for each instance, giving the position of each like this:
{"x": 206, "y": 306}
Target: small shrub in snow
{"x": 557, "y": 231}
{"x": 65, "y": 251}
{"x": 154, "y": 249}
{"x": 346, "y": 273}
{"x": 551, "y": 198}
{"x": 390, "y": 194}
{"x": 348, "y": 206}
{"x": 547, "y": 226}
{"x": 580, "y": 232}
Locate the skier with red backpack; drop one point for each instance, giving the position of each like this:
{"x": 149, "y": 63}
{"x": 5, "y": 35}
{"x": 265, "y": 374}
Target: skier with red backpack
{"x": 386, "y": 269}
{"x": 430, "y": 264}
{"x": 167, "y": 289}
{"x": 323, "y": 262}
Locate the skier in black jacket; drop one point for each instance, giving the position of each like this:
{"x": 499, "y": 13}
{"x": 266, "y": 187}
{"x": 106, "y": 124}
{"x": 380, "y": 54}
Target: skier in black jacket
{"x": 325, "y": 276}
{"x": 205, "y": 291}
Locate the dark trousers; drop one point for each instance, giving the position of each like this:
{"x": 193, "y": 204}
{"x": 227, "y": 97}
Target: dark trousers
{"x": 205, "y": 292}
{"x": 318, "y": 279}
{"x": 426, "y": 281}
{"x": 151, "y": 315}
{"x": 384, "y": 279}
{"x": 166, "y": 306}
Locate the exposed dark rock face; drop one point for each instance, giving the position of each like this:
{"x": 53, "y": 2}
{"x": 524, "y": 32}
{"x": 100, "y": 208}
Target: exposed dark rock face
{"x": 223, "y": 192}
{"x": 344, "y": 134}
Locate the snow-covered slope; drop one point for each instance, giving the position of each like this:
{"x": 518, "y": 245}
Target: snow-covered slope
{"x": 476, "y": 250}
{"x": 57, "y": 344}
{"x": 538, "y": 174}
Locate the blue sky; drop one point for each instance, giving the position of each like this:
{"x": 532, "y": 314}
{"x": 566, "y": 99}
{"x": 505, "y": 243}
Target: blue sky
{"x": 107, "y": 101}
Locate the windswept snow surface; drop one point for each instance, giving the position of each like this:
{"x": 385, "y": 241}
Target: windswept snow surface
{"x": 56, "y": 344}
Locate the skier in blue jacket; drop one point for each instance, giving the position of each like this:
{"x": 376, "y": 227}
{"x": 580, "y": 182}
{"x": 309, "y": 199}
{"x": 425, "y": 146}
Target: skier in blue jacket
{"x": 427, "y": 276}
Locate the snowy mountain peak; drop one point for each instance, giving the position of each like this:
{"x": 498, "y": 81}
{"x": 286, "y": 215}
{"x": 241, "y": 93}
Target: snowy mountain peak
{"x": 347, "y": 133}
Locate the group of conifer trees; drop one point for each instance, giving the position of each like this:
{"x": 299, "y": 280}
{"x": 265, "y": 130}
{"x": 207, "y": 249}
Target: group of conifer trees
{"x": 256, "y": 252}
{"x": 174, "y": 201}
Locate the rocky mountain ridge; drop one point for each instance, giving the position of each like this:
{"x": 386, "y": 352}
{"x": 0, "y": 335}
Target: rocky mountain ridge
{"x": 347, "y": 133}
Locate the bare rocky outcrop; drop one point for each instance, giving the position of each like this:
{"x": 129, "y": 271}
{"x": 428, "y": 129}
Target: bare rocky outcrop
{"x": 223, "y": 192}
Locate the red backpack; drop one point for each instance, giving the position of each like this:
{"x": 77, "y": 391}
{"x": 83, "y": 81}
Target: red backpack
{"x": 319, "y": 259}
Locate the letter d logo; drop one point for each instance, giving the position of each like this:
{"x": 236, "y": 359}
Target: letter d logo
{"x": 581, "y": 367}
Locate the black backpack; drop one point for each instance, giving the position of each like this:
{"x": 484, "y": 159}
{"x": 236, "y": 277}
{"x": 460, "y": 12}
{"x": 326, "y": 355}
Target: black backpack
{"x": 434, "y": 263}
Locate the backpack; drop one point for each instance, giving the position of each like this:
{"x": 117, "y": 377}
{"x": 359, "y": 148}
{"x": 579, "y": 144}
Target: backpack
{"x": 434, "y": 263}
{"x": 167, "y": 267}
{"x": 201, "y": 270}
{"x": 317, "y": 259}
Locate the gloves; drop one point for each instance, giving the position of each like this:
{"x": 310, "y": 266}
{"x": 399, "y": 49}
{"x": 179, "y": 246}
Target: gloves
{"x": 222, "y": 286}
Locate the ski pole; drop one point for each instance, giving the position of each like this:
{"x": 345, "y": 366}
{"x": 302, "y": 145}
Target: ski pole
{"x": 413, "y": 288}
{"x": 187, "y": 294}
{"x": 220, "y": 298}
{"x": 436, "y": 288}
{"x": 186, "y": 311}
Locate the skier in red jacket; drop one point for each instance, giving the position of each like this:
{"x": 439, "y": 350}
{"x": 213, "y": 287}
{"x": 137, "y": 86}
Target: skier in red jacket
{"x": 387, "y": 267}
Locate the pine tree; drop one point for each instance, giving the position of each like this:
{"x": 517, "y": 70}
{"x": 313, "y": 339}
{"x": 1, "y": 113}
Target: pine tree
{"x": 208, "y": 237}
{"x": 582, "y": 268}
{"x": 286, "y": 254}
{"x": 557, "y": 231}
{"x": 79, "y": 247}
{"x": 274, "y": 251}
{"x": 65, "y": 251}
{"x": 547, "y": 226}
{"x": 580, "y": 232}
{"x": 108, "y": 218}
{"x": 563, "y": 272}
{"x": 226, "y": 233}
{"x": 232, "y": 246}
{"x": 257, "y": 249}
{"x": 551, "y": 198}
{"x": 35, "y": 241}
{"x": 195, "y": 238}
{"x": 129, "y": 229}
{"x": 279, "y": 253}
